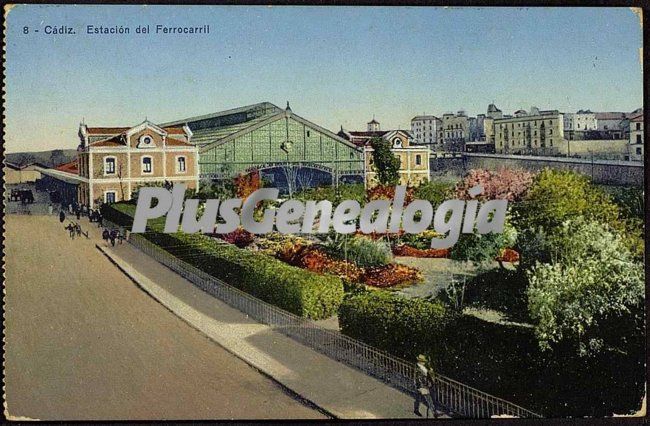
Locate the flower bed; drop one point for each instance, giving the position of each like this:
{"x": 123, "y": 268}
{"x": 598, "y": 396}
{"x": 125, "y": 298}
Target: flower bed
{"x": 391, "y": 275}
{"x": 314, "y": 259}
{"x": 239, "y": 237}
{"x": 406, "y": 250}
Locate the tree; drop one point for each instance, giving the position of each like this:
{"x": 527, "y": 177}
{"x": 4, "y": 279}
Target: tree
{"x": 556, "y": 196}
{"x": 592, "y": 281}
{"x": 305, "y": 178}
{"x": 384, "y": 162}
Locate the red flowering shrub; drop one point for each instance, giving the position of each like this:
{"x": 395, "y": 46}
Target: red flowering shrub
{"x": 406, "y": 250}
{"x": 390, "y": 275}
{"x": 239, "y": 237}
{"x": 381, "y": 192}
{"x": 508, "y": 184}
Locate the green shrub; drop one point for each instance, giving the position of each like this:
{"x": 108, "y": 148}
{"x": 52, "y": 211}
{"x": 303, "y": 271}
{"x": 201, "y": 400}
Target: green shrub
{"x": 557, "y": 195}
{"x": 363, "y": 251}
{"x": 296, "y": 290}
{"x": 119, "y": 213}
{"x": 483, "y": 248}
{"x": 434, "y": 192}
{"x": 506, "y": 361}
{"x": 403, "y": 326}
{"x": 592, "y": 279}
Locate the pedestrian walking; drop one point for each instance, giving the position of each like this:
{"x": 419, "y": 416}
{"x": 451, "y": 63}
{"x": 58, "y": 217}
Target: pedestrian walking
{"x": 105, "y": 235}
{"x": 77, "y": 229}
{"x": 78, "y": 214}
{"x": 50, "y": 209}
{"x": 61, "y": 216}
{"x": 421, "y": 387}
{"x": 113, "y": 237}
{"x": 71, "y": 230}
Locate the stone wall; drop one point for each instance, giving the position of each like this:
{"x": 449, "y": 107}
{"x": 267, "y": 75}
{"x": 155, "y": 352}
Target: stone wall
{"x": 601, "y": 171}
{"x": 586, "y": 147}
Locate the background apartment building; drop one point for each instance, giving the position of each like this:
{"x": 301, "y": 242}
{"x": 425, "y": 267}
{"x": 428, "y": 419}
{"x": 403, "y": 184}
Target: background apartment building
{"x": 424, "y": 129}
{"x": 612, "y": 125}
{"x": 580, "y": 121}
{"x": 454, "y": 131}
{"x": 636, "y": 137}
{"x": 534, "y": 133}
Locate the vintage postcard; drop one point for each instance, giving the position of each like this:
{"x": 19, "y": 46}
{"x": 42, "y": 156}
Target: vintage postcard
{"x": 218, "y": 212}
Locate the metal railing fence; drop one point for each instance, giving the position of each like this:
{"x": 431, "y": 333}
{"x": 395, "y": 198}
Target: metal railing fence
{"x": 447, "y": 394}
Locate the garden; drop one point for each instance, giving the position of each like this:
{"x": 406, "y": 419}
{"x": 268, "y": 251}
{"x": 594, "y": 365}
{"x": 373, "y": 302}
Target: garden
{"x": 548, "y": 314}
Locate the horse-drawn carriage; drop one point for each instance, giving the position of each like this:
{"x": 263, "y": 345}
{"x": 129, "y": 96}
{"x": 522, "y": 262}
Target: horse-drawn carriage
{"x": 25, "y": 196}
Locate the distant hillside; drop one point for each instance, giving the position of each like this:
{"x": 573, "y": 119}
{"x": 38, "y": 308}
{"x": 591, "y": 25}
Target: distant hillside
{"x": 49, "y": 158}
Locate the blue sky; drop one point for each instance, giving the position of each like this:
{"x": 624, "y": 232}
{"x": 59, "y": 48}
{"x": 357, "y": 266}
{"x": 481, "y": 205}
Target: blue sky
{"x": 337, "y": 66}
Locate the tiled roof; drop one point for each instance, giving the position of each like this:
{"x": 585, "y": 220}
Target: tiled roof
{"x": 112, "y": 141}
{"x": 71, "y": 167}
{"x": 637, "y": 117}
{"x": 173, "y": 130}
{"x": 106, "y": 130}
{"x": 610, "y": 115}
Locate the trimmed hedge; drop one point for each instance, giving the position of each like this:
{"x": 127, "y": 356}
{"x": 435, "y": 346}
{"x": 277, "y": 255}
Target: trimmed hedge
{"x": 403, "y": 326}
{"x": 114, "y": 213}
{"x": 296, "y": 290}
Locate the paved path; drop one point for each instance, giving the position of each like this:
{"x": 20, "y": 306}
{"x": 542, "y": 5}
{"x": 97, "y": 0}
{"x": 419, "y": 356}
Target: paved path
{"x": 338, "y": 389}
{"x": 83, "y": 342}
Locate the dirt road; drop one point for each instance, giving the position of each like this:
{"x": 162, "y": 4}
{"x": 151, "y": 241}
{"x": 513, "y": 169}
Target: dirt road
{"x": 83, "y": 342}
